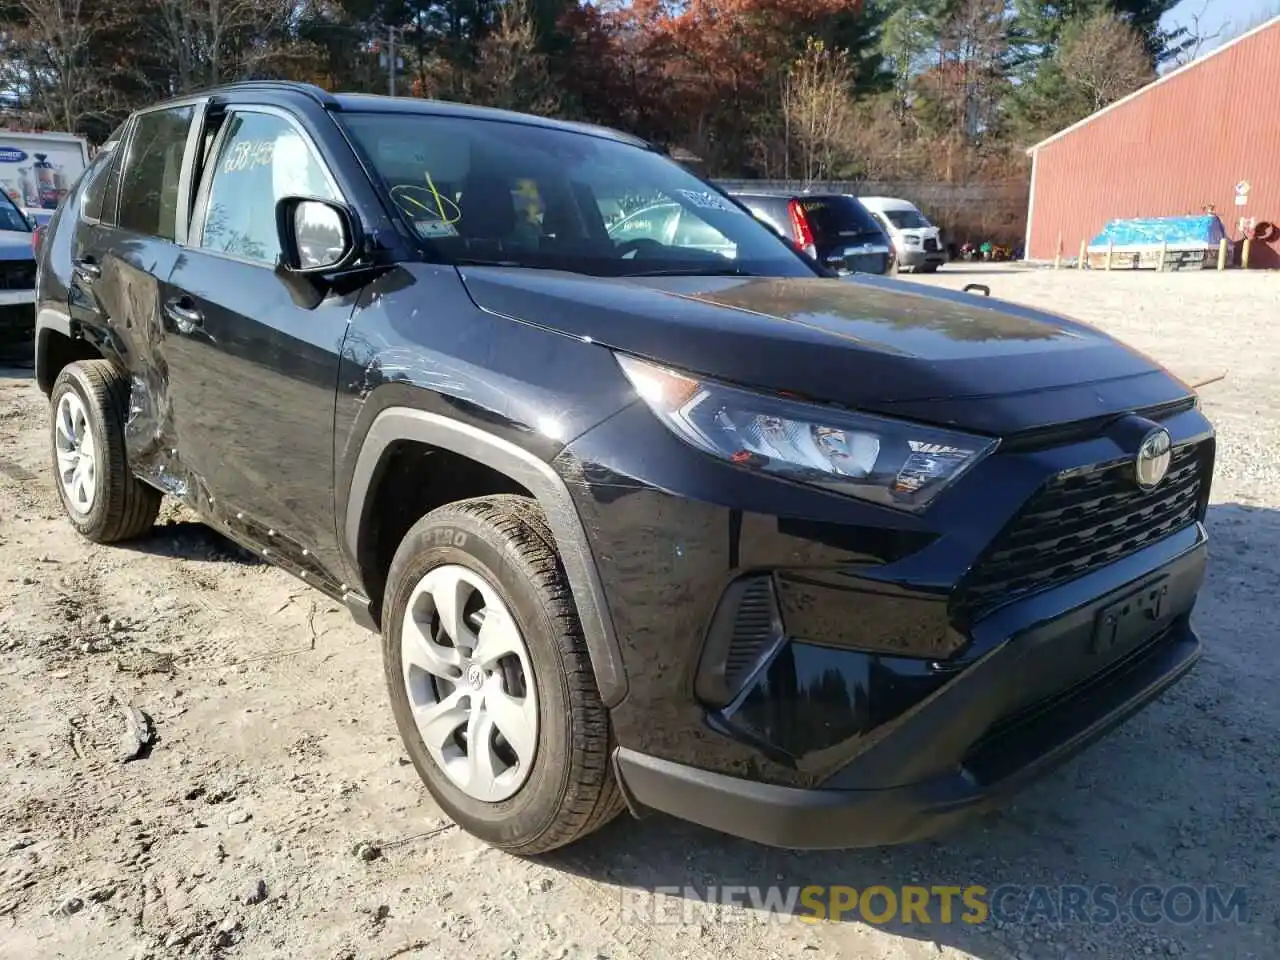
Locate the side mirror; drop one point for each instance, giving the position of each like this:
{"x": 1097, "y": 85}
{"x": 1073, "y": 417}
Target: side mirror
{"x": 316, "y": 236}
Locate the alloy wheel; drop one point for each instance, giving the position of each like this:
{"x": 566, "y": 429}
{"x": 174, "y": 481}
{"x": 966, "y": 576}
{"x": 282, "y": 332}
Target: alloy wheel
{"x": 73, "y": 441}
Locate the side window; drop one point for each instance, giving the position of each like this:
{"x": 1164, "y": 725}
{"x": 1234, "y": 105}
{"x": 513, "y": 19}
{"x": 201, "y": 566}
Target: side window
{"x": 261, "y": 160}
{"x": 149, "y": 186}
{"x": 103, "y": 175}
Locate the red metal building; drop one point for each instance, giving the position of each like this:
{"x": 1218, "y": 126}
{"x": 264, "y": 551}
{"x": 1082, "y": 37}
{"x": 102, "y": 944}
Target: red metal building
{"x": 1181, "y": 143}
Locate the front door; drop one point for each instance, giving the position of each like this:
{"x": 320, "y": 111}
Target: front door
{"x": 255, "y": 375}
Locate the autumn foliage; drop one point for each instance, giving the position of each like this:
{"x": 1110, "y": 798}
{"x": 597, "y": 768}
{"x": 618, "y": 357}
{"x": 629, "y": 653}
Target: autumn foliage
{"x": 702, "y": 72}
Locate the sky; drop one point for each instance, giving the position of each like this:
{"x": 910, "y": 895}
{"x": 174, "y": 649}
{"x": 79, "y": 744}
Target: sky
{"x": 1220, "y": 15}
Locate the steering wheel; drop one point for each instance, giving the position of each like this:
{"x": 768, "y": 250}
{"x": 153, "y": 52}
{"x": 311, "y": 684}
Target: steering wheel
{"x": 418, "y": 203}
{"x": 631, "y": 249}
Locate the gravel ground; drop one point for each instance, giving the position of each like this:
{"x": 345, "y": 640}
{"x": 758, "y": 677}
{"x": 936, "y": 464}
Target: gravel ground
{"x": 274, "y": 814}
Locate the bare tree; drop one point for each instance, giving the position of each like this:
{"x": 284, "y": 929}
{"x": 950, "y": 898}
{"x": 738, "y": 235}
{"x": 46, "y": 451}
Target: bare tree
{"x": 974, "y": 41}
{"x": 49, "y": 58}
{"x": 817, "y": 110}
{"x": 208, "y": 42}
{"x": 1105, "y": 58}
{"x": 1198, "y": 39}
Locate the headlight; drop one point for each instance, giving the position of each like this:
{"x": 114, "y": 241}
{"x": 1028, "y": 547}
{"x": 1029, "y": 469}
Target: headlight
{"x": 890, "y": 462}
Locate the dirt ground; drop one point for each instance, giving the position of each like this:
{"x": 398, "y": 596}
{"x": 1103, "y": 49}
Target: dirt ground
{"x": 275, "y": 814}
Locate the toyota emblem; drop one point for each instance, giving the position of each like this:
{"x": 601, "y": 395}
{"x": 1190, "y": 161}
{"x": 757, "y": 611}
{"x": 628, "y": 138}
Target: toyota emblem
{"x": 1152, "y": 462}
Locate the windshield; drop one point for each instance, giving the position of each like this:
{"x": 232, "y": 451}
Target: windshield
{"x": 11, "y": 217}
{"x": 512, "y": 194}
{"x": 907, "y": 219}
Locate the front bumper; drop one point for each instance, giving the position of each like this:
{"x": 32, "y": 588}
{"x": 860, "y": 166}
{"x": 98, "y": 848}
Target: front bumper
{"x": 919, "y": 257}
{"x": 17, "y": 324}
{"x": 833, "y": 816}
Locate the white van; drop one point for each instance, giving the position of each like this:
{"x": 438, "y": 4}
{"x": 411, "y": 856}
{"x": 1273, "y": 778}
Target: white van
{"x": 917, "y": 241}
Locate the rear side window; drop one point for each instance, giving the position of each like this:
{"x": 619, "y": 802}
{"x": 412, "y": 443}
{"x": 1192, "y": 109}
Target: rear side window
{"x": 149, "y": 185}
{"x": 839, "y": 218}
{"x": 101, "y": 178}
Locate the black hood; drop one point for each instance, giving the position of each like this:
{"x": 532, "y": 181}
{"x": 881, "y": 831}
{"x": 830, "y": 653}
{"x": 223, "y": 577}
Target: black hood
{"x": 863, "y": 342}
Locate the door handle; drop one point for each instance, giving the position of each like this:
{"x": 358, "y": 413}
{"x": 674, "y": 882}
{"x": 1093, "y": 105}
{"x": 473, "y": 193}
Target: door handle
{"x": 87, "y": 268}
{"x": 183, "y": 314}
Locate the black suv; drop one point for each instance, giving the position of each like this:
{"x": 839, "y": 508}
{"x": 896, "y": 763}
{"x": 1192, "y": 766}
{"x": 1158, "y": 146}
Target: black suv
{"x": 815, "y": 561}
{"x": 832, "y": 228}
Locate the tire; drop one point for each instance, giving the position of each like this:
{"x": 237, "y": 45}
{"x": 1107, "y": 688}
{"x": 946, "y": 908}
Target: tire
{"x": 568, "y": 789}
{"x": 120, "y": 507}
{"x": 928, "y": 268}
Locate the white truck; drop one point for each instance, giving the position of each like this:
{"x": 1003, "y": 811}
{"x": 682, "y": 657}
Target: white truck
{"x": 37, "y": 169}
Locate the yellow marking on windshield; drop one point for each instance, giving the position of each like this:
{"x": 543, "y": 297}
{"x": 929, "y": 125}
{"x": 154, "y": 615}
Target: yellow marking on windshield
{"x": 440, "y": 202}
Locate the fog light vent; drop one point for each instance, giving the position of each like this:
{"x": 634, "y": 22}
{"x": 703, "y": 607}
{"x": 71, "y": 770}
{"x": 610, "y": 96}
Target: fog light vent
{"x": 746, "y": 629}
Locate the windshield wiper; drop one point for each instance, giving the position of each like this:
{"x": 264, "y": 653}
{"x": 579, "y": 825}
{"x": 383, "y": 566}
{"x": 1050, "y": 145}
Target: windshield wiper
{"x": 480, "y": 262}
{"x": 693, "y": 272}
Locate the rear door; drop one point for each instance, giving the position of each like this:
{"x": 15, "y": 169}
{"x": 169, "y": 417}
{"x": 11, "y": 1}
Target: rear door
{"x": 119, "y": 268}
{"x": 90, "y": 234}
{"x": 255, "y": 375}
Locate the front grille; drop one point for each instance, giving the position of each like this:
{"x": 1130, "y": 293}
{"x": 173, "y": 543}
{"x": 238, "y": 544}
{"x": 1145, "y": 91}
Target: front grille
{"x": 1081, "y": 520}
{"x": 931, "y": 244}
{"x": 17, "y": 274}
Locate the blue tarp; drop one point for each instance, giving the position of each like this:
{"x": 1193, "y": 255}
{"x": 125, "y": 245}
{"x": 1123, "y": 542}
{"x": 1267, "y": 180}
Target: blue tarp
{"x": 1195, "y": 232}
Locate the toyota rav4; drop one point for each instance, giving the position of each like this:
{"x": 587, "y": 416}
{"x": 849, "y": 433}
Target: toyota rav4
{"x": 688, "y": 527}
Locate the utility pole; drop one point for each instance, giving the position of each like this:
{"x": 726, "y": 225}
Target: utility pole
{"x": 391, "y": 62}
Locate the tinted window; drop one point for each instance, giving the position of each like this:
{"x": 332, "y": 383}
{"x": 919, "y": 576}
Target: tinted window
{"x": 517, "y": 194}
{"x": 261, "y": 160}
{"x": 102, "y": 173}
{"x": 839, "y": 218}
{"x": 149, "y": 187}
{"x": 11, "y": 217}
{"x": 907, "y": 219}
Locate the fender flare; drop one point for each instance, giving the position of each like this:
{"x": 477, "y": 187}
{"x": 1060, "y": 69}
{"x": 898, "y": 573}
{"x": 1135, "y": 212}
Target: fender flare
{"x": 396, "y": 424}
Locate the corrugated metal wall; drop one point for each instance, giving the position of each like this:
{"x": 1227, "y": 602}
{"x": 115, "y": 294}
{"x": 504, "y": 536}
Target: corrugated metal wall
{"x": 1169, "y": 151}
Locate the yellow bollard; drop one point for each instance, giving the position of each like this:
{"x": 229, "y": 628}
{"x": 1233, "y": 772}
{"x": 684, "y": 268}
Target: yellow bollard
{"x": 1110, "y": 252}
{"x": 1244, "y": 256}
{"x": 1222, "y": 254}
{"x": 1164, "y": 252}
{"x": 1084, "y": 254}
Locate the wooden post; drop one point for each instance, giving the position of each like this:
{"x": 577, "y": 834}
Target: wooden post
{"x": 1084, "y": 254}
{"x": 1222, "y": 254}
{"x": 1244, "y": 256}
{"x": 1110, "y": 252}
{"x": 1164, "y": 252}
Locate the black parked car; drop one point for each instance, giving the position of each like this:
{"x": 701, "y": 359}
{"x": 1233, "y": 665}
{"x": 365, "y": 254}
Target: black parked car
{"x": 834, "y": 229}
{"x": 816, "y": 561}
{"x": 17, "y": 283}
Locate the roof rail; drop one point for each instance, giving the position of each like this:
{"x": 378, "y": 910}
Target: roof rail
{"x": 318, "y": 94}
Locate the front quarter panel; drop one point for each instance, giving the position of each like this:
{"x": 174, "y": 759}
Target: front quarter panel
{"x": 418, "y": 341}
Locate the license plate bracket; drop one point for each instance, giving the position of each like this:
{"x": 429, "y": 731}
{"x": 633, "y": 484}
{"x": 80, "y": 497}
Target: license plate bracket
{"x": 1122, "y": 623}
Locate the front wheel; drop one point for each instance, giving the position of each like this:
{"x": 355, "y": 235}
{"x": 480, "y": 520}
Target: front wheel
{"x": 490, "y": 682}
{"x": 102, "y": 498}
